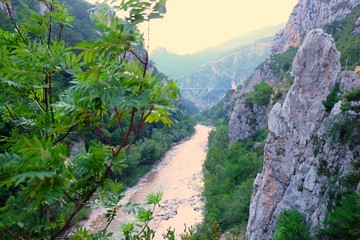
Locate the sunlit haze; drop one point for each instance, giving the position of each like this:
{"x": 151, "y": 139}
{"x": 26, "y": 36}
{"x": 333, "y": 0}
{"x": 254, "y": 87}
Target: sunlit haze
{"x": 192, "y": 25}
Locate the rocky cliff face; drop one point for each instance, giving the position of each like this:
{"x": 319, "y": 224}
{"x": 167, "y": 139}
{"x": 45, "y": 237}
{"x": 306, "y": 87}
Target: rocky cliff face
{"x": 245, "y": 120}
{"x": 310, "y": 14}
{"x": 306, "y": 16}
{"x": 301, "y": 159}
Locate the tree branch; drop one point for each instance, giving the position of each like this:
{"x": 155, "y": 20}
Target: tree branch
{"x": 138, "y": 58}
{"x": 109, "y": 222}
{"x": 127, "y": 134}
{"x": 46, "y": 94}
{"x": 65, "y": 135}
{"x": 14, "y": 235}
{"x": 72, "y": 200}
{"x": 119, "y": 120}
{"x": 146, "y": 63}
{"x": 61, "y": 30}
{"x": 104, "y": 135}
{"x": 14, "y": 23}
{"x": 14, "y": 119}
{"x": 50, "y": 98}
{"x": 36, "y": 100}
{"x": 138, "y": 126}
{"x": 51, "y": 9}
{"x": 143, "y": 119}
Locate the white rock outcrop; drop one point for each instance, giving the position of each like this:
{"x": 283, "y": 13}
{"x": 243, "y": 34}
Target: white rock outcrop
{"x": 310, "y": 14}
{"x": 300, "y": 158}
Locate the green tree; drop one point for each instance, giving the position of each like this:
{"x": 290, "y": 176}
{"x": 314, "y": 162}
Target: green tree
{"x": 332, "y": 98}
{"x": 229, "y": 174}
{"x": 291, "y": 226}
{"x": 261, "y": 94}
{"x": 110, "y": 86}
{"x": 343, "y": 222}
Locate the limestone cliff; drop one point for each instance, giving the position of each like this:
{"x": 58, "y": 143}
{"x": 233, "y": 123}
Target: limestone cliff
{"x": 303, "y": 163}
{"x": 310, "y": 14}
{"x": 245, "y": 120}
{"x": 306, "y": 15}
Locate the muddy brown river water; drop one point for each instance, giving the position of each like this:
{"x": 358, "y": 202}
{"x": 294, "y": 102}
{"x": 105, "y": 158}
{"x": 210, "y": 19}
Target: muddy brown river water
{"x": 179, "y": 177}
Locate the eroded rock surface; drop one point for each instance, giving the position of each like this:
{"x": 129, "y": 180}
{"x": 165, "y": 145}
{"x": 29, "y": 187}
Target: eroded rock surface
{"x": 245, "y": 120}
{"x": 310, "y": 14}
{"x": 301, "y": 159}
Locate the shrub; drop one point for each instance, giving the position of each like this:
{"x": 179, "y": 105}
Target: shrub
{"x": 280, "y": 64}
{"x": 353, "y": 95}
{"x": 229, "y": 176}
{"x": 332, "y": 98}
{"x": 344, "y": 222}
{"x": 291, "y": 226}
{"x": 261, "y": 94}
{"x": 346, "y": 42}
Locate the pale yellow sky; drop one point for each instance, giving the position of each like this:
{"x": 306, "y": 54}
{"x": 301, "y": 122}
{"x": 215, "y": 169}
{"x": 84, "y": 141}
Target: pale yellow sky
{"x": 192, "y": 25}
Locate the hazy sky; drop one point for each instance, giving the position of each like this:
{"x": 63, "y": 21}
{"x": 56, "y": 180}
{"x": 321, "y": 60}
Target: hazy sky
{"x": 192, "y": 25}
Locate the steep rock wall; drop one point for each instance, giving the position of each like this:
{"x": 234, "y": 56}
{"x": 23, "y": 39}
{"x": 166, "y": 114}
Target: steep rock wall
{"x": 310, "y": 14}
{"x": 307, "y": 15}
{"x": 298, "y": 147}
{"x": 245, "y": 120}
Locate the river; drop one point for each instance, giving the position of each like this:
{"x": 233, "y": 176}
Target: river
{"x": 179, "y": 177}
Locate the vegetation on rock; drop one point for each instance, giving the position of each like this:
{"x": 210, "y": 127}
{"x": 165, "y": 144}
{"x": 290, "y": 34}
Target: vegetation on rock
{"x": 229, "y": 176}
{"x": 261, "y": 95}
{"x": 346, "y": 42}
{"x": 341, "y": 223}
{"x": 332, "y": 98}
{"x": 291, "y": 226}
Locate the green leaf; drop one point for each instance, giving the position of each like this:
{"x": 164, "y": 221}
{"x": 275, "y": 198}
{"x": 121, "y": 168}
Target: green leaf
{"x": 154, "y": 198}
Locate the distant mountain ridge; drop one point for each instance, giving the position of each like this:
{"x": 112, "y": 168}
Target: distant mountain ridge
{"x": 246, "y": 39}
{"x": 206, "y": 75}
{"x": 207, "y": 85}
{"x": 178, "y": 66}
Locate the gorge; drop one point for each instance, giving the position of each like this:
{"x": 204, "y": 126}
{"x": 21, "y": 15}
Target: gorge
{"x": 85, "y": 113}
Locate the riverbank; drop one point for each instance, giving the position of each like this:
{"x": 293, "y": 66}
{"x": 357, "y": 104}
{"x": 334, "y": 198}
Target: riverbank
{"x": 179, "y": 177}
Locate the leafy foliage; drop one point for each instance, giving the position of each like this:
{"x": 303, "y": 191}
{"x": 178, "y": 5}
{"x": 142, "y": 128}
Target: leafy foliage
{"x": 261, "y": 94}
{"x": 341, "y": 224}
{"x": 332, "y": 98}
{"x": 351, "y": 97}
{"x": 280, "y": 64}
{"x": 108, "y": 91}
{"x": 291, "y": 226}
{"x": 346, "y": 42}
{"x": 26, "y": 13}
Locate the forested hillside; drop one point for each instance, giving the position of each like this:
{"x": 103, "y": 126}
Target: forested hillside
{"x": 81, "y": 27}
